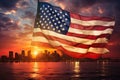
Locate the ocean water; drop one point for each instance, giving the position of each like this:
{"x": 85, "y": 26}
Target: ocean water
{"x": 60, "y": 71}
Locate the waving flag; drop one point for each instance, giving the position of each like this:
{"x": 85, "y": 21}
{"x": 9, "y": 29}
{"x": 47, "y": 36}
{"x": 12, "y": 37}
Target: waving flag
{"x": 77, "y": 36}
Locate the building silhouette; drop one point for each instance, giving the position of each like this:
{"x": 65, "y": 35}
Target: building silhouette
{"x": 42, "y": 56}
{"x": 4, "y": 58}
{"x": 29, "y": 55}
{"x": 23, "y": 55}
{"x": 11, "y": 56}
{"x": 17, "y": 57}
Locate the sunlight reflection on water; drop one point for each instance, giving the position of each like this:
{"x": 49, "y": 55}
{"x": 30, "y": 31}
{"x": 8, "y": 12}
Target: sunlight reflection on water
{"x": 60, "y": 71}
{"x": 35, "y": 69}
{"x": 77, "y": 69}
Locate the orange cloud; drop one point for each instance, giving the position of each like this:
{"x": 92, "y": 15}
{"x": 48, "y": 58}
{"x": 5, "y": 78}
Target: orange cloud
{"x": 62, "y": 5}
{"x": 10, "y": 12}
{"x": 22, "y": 4}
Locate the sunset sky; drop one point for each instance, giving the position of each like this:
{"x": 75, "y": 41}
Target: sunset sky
{"x": 17, "y": 21}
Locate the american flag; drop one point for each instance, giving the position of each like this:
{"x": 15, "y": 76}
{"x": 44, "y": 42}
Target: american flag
{"x": 77, "y": 36}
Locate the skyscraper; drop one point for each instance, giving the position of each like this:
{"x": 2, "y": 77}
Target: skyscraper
{"x": 23, "y": 55}
{"x": 17, "y": 57}
{"x": 10, "y": 55}
{"x": 29, "y": 55}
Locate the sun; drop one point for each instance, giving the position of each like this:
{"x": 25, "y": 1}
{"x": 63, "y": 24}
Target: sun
{"x": 35, "y": 53}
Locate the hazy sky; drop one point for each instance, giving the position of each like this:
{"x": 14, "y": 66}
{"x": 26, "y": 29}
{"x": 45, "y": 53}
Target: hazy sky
{"x": 17, "y": 20}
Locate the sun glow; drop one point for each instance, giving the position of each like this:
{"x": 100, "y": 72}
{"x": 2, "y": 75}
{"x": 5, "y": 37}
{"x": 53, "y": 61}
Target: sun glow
{"x": 35, "y": 53}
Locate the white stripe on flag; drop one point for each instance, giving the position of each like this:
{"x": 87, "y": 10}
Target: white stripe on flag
{"x": 98, "y": 50}
{"x": 93, "y": 22}
{"x": 71, "y": 38}
{"x": 70, "y": 48}
{"x": 91, "y": 32}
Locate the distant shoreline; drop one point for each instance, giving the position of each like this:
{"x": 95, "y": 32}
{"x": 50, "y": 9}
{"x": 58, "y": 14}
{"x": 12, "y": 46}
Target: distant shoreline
{"x": 113, "y": 60}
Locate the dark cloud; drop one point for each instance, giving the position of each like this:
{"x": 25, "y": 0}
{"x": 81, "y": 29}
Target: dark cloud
{"x": 5, "y": 4}
{"x": 83, "y": 3}
{"x": 117, "y": 17}
{"x": 74, "y": 5}
{"x": 107, "y": 1}
{"x": 7, "y": 23}
{"x": 3, "y": 21}
{"x": 4, "y": 18}
{"x": 29, "y": 15}
{"x": 24, "y": 3}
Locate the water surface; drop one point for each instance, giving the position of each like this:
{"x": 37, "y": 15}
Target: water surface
{"x": 60, "y": 71}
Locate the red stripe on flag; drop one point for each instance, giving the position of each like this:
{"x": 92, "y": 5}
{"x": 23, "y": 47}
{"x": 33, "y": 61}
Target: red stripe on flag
{"x": 80, "y": 45}
{"x": 80, "y": 55}
{"x": 84, "y": 18}
{"x": 91, "y": 37}
{"x": 77, "y": 26}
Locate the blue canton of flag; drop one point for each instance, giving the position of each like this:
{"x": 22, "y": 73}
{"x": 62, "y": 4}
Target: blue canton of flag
{"x": 52, "y": 18}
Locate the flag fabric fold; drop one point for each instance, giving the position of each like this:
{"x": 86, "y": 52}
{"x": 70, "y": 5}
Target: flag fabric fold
{"x": 77, "y": 36}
